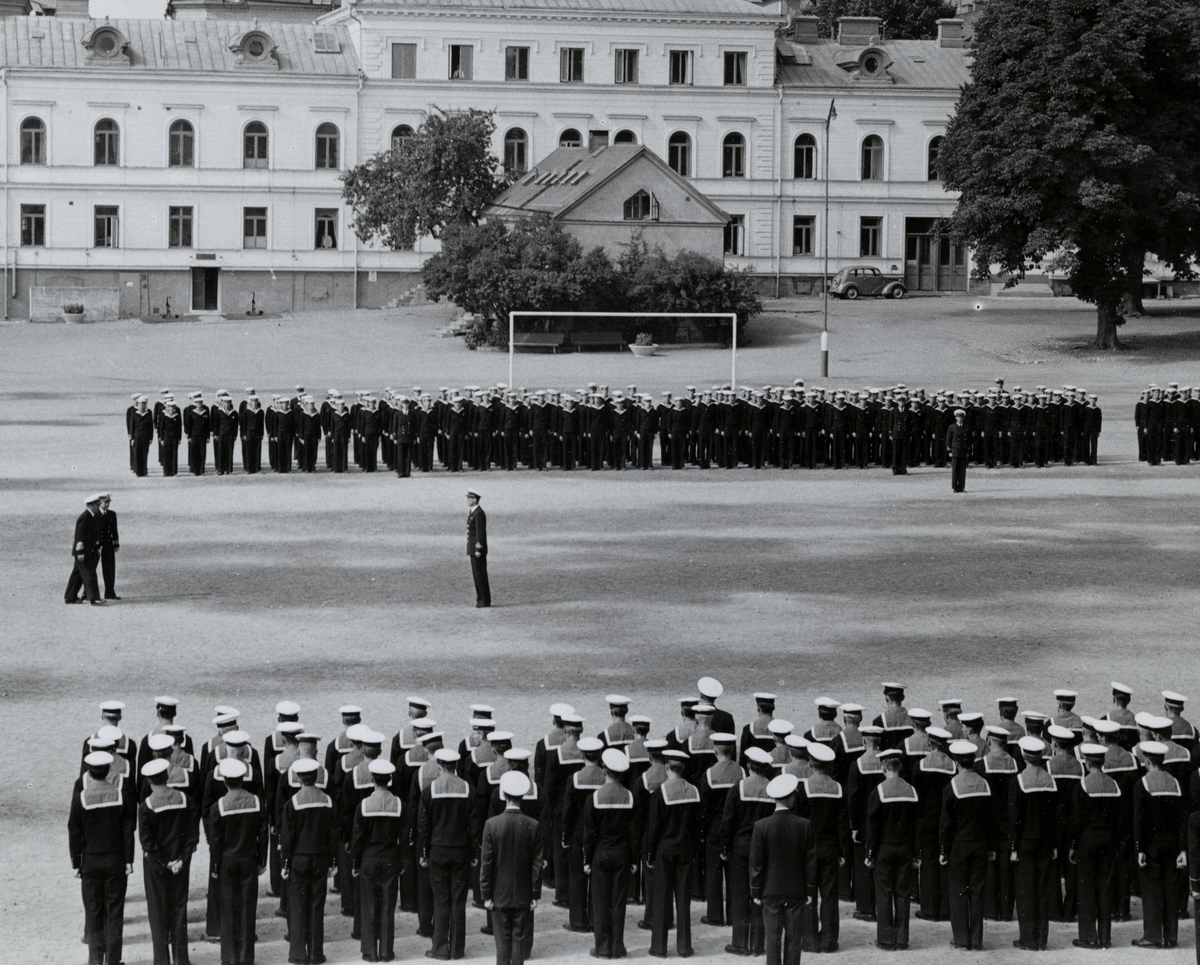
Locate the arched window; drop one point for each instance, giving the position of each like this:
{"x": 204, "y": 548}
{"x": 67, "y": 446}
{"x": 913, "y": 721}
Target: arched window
{"x": 637, "y": 207}
{"x": 806, "y": 157}
{"x": 33, "y": 141}
{"x": 733, "y": 156}
{"x": 679, "y": 153}
{"x": 516, "y": 143}
{"x": 872, "y": 158}
{"x": 254, "y": 145}
{"x": 107, "y": 143}
{"x": 935, "y": 148}
{"x": 400, "y": 134}
{"x": 625, "y": 137}
{"x": 181, "y": 145}
{"x": 327, "y": 146}
{"x": 570, "y": 138}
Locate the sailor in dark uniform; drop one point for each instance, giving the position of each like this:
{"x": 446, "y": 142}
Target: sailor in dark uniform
{"x": 1160, "y": 824}
{"x": 376, "y": 853}
{"x": 894, "y": 720}
{"x": 968, "y": 836}
{"x": 951, "y": 709}
{"x": 1095, "y": 822}
{"x": 822, "y": 801}
{"x": 308, "y": 843}
{"x": 584, "y": 781}
{"x": 1033, "y": 834}
{"x": 169, "y": 831}
{"x": 930, "y": 775}
{"x": 444, "y": 847}
{"x": 1120, "y": 713}
{"x": 863, "y": 775}
{"x": 237, "y": 837}
{"x": 1067, "y": 771}
{"x": 890, "y": 833}
{"x": 744, "y": 805}
{"x": 715, "y": 782}
{"x": 826, "y": 730}
{"x": 672, "y": 836}
{"x": 710, "y": 689}
{"x": 619, "y": 732}
{"x": 608, "y": 819}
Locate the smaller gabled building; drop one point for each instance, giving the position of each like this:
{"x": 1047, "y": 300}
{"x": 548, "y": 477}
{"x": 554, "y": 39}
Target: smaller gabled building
{"x": 612, "y": 195}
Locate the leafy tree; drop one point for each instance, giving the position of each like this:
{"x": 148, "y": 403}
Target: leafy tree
{"x": 444, "y": 174}
{"x": 901, "y": 19}
{"x": 691, "y": 282}
{"x": 1078, "y": 141}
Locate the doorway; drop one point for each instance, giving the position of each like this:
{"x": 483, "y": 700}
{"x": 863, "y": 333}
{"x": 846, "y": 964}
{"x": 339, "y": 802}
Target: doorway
{"x": 206, "y": 291}
{"x": 932, "y": 261}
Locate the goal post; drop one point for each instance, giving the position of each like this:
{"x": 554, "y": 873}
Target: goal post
{"x": 731, "y": 317}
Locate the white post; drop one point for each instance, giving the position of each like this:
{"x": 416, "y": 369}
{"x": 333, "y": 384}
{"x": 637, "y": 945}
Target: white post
{"x": 733, "y": 363}
{"x": 510, "y": 351}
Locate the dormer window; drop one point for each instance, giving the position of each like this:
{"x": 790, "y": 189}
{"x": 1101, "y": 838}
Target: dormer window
{"x": 255, "y": 49}
{"x": 106, "y": 45}
{"x": 643, "y": 206}
{"x": 871, "y": 63}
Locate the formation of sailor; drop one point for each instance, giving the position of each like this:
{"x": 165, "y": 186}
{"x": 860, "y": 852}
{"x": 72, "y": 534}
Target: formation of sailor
{"x": 1168, "y": 424}
{"x": 1060, "y": 817}
{"x": 595, "y": 427}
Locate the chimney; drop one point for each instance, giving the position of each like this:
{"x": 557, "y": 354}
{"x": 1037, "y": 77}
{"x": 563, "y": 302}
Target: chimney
{"x": 806, "y": 29}
{"x": 950, "y": 33}
{"x": 858, "y": 31}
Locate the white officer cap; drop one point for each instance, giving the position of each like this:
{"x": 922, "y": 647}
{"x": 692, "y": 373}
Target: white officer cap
{"x": 615, "y": 760}
{"x": 758, "y": 755}
{"x": 381, "y": 767}
{"x": 290, "y": 727}
{"x": 1106, "y": 727}
{"x": 288, "y": 707}
{"x": 1060, "y": 733}
{"x": 514, "y": 784}
{"x": 1093, "y": 750}
{"x": 710, "y": 687}
{"x": 783, "y": 785}
{"x": 822, "y": 753}
{"x": 304, "y": 765}
{"x": 157, "y": 766}
{"x": 830, "y": 703}
{"x": 93, "y": 498}
{"x": 616, "y": 700}
{"x": 108, "y": 732}
{"x": 778, "y": 726}
{"x": 98, "y": 759}
{"x": 795, "y": 740}
{"x": 1031, "y": 746}
{"x": 500, "y": 736}
{"x": 475, "y": 493}
{"x": 963, "y": 749}
{"x": 445, "y": 755}
{"x": 939, "y": 733}
{"x": 1177, "y": 700}
{"x": 419, "y": 702}
{"x": 350, "y": 710}
{"x": 1153, "y": 748}
{"x": 237, "y": 737}
{"x": 160, "y": 742}
{"x": 231, "y": 767}
{"x": 589, "y": 745}
{"x": 517, "y": 754}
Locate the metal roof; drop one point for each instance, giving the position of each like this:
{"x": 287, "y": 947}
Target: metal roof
{"x": 916, "y": 64}
{"x": 185, "y": 45}
{"x": 726, "y": 9}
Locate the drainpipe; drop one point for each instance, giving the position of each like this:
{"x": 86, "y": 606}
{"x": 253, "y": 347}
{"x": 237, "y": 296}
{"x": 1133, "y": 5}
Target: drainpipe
{"x": 362, "y": 79}
{"x": 4, "y": 81}
{"x": 778, "y": 182}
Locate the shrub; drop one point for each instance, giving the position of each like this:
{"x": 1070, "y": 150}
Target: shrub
{"x": 73, "y": 308}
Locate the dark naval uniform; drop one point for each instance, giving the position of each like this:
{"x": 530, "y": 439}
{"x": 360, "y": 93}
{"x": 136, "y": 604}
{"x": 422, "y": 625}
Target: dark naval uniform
{"x": 783, "y": 876}
{"x": 584, "y": 782}
{"x": 1095, "y": 827}
{"x": 999, "y": 769}
{"x": 307, "y": 845}
{"x": 609, "y": 833}
{"x": 100, "y": 829}
{"x": 169, "y": 830}
{"x": 376, "y": 854}
{"x": 890, "y": 832}
{"x": 510, "y": 877}
{"x": 444, "y": 844}
{"x": 930, "y": 777}
{"x": 1033, "y": 833}
{"x": 967, "y": 834}
{"x": 1160, "y": 823}
{"x": 715, "y": 785}
{"x": 822, "y": 801}
{"x": 237, "y": 838}
{"x": 672, "y": 837}
{"x": 744, "y": 805}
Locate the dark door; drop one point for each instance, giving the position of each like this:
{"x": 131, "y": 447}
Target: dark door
{"x": 926, "y": 275}
{"x": 205, "y": 291}
{"x": 952, "y": 266}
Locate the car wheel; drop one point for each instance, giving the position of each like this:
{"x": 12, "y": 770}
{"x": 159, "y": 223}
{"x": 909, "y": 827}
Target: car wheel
{"x": 851, "y": 293}
{"x": 898, "y": 291}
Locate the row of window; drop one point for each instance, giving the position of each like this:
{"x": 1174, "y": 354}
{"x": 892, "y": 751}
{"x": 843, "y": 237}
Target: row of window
{"x": 106, "y": 223}
{"x": 626, "y": 64}
{"x": 804, "y": 226}
{"x": 181, "y": 144}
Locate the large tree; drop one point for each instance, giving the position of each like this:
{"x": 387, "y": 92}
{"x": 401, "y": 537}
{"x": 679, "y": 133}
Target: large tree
{"x": 1077, "y": 143}
{"x": 900, "y": 19}
{"x": 444, "y": 174}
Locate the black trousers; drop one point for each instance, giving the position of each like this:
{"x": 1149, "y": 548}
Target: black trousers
{"x": 783, "y": 929}
{"x": 274, "y": 868}
{"x": 197, "y": 455}
{"x": 83, "y": 577}
{"x": 1160, "y": 906}
{"x": 998, "y": 895}
{"x": 424, "y": 903}
{"x": 166, "y": 909}
{"x": 610, "y": 891}
{"x": 404, "y": 459}
{"x": 900, "y": 456}
{"x": 223, "y": 453}
{"x": 933, "y": 879}
{"x": 306, "y": 907}
{"x": 821, "y": 917}
{"x": 747, "y": 916}
{"x": 577, "y": 885}
{"x": 958, "y": 474}
{"x": 108, "y": 566}
{"x": 893, "y": 895}
{"x": 513, "y": 931}
{"x": 864, "y": 882}
{"x": 1035, "y": 887}
{"x": 673, "y": 882}
{"x": 483, "y": 589}
{"x": 237, "y": 887}
{"x": 252, "y": 453}
{"x": 449, "y": 870}
{"x": 716, "y": 888}
{"x": 141, "y": 449}
{"x": 283, "y": 453}
{"x": 170, "y": 457}
{"x": 968, "y": 865}
{"x": 1097, "y": 860}
{"x": 104, "y": 911}
{"x": 377, "y": 905}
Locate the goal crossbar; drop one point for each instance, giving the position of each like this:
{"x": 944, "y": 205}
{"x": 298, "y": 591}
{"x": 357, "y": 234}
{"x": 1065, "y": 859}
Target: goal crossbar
{"x": 730, "y": 316}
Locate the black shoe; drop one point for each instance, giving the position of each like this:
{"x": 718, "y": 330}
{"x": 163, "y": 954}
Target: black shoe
{"x": 69, "y": 602}
{"x": 487, "y": 930}
{"x": 736, "y": 950}
{"x": 272, "y": 894}
{"x": 98, "y": 603}
{"x": 113, "y": 597}
{"x": 965, "y": 948}
{"x": 280, "y": 913}
{"x": 924, "y": 917}
{"x": 654, "y": 954}
{"x": 829, "y": 949}
{"x": 1027, "y": 948}
{"x": 596, "y": 954}
{"x": 355, "y": 934}
{"x": 1080, "y": 943}
{"x": 429, "y": 954}
{"x": 1145, "y": 943}
{"x": 477, "y": 904}
{"x": 644, "y": 925}
{"x": 687, "y": 953}
{"x": 863, "y": 916}
{"x": 885, "y": 948}
{"x": 561, "y": 904}
{"x": 705, "y": 920}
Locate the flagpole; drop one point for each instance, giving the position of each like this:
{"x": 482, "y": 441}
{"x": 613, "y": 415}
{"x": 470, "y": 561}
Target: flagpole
{"x": 825, "y": 282}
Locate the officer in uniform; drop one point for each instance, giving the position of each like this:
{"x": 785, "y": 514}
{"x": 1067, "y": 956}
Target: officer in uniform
{"x": 958, "y": 448}
{"x": 821, "y": 800}
{"x": 890, "y": 833}
{"x": 608, "y": 837}
{"x": 968, "y": 836}
{"x": 510, "y": 871}
{"x": 85, "y": 550}
{"x": 169, "y": 830}
{"x": 237, "y": 838}
{"x": 672, "y": 838}
{"x": 783, "y": 872}
{"x": 1095, "y": 822}
{"x": 1033, "y": 834}
{"x": 444, "y": 847}
{"x": 477, "y": 549}
{"x": 1160, "y": 824}
{"x": 110, "y": 543}
{"x": 307, "y": 844}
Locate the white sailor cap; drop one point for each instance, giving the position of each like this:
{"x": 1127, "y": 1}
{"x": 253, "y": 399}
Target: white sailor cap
{"x": 108, "y": 732}
{"x": 822, "y": 753}
{"x": 445, "y": 755}
{"x": 589, "y": 745}
{"x": 639, "y": 719}
{"x": 1106, "y": 727}
{"x": 919, "y": 713}
{"x": 514, "y": 784}
{"x": 160, "y": 742}
{"x": 947, "y": 704}
{"x": 557, "y": 710}
{"x": 418, "y": 702}
{"x": 1031, "y": 746}
{"x": 304, "y": 765}
{"x": 1006, "y": 700}
{"x": 482, "y": 723}
{"x": 1144, "y": 719}
{"x": 615, "y": 760}
{"x": 221, "y": 720}
{"x": 499, "y": 736}
{"x": 231, "y": 767}
{"x": 991, "y": 730}
{"x": 963, "y": 749}
{"x": 703, "y": 708}
{"x": 288, "y": 707}
{"x": 757, "y": 755}
{"x": 827, "y": 702}
{"x": 350, "y": 710}
{"x": 710, "y": 687}
{"x": 381, "y": 767}
{"x": 616, "y": 700}
{"x": 372, "y": 737}
{"x": 778, "y": 726}
{"x": 723, "y": 738}
{"x": 795, "y": 740}
{"x": 434, "y": 735}
{"x": 939, "y": 733}
{"x": 111, "y": 706}
{"x": 970, "y": 718}
{"x": 1153, "y": 748}
{"x": 1061, "y": 733}
{"x": 159, "y": 765}
{"x": 482, "y": 710}
{"x": 101, "y": 742}
{"x": 236, "y": 738}
{"x": 783, "y": 785}
{"x": 572, "y": 719}
{"x": 889, "y": 685}
{"x": 851, "y": 709}
{"x": 357, "y": 732}
{"x": 289, "y": 727}
{"x": 98, "y": 759}
{"x": 1174, "y": 699}
{"x": 1093, "y": 750}
{"x": 1065, "y": 695}
{"x": 1120, "y": 688}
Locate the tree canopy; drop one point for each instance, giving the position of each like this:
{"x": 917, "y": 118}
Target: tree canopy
{"x": 901, "y": 19}
{"x": 1077, "y": 143}
{"x": 444, "y": 174}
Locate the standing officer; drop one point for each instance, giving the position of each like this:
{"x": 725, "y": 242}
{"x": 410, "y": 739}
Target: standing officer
{"x": 1033, "y": 832}
{"x": 967, "y": 840}
{"x": 510, "y": 871}
{"x": 672, "y": 837}
{"x": 141, "y": 433}
{"x": 1095, "y": 821}
{"x": 890, "y": 833}
{"x": 958, "y": 448}
{"x": 608, "y": 820}
{"x": 238, "y": 843}
{"x": 1160, "y": 823}
{"x": 85, "y": 549}
{"x": 100, "y": 830}
{"x": 444, "y": 847}
{"x": 783, "y": 872}
{"x": 307, "y": 845}
{"x": 169, "y": 830}
{"x": 477, "y": 549}
{"x": 110, "y": 543}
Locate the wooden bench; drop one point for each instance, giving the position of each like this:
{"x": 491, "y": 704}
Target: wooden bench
{"x": 582, "y": 340}
{"x": 538, "y": 340}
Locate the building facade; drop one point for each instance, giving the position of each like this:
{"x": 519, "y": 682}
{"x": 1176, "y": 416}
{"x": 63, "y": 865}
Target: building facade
{"x": 198, "y": 160}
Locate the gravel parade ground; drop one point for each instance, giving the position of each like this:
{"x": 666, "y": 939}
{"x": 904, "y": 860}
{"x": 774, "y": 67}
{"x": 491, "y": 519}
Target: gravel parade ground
{"x": 326, "y": 589}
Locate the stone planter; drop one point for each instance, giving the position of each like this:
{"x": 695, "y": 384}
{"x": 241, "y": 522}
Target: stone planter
{"x": 73, "y": 318}
{"x": 643, "y": 351}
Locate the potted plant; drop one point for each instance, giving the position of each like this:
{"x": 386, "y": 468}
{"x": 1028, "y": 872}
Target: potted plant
{"x": 72, "y": 313}
{"x": 643, "y": 345}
